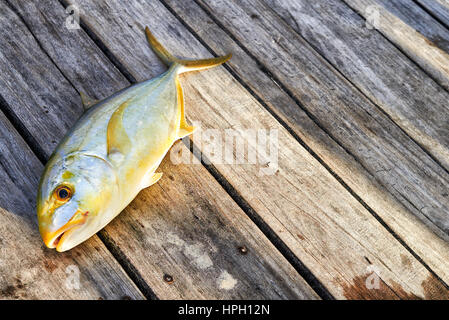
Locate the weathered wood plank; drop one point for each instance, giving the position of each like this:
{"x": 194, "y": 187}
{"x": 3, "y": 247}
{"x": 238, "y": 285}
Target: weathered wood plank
{"x": 186, "y": 225}
{"x": 322, "y": 223}
{"x": 439, "y": 8}
{"x": 27, "y": 269}
{"x": 16, "y": 74}
{"x": 413, "y": 30}
{"x": 362, "y": 179}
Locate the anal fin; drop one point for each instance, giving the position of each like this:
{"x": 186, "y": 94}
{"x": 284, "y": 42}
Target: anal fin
{"x": 185, "y": 131}
{"x": 184, "y": 128}
{"x": 151, "y": 179}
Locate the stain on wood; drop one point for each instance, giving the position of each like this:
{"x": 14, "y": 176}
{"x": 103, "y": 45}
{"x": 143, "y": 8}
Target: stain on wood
{"x": 371, "y": 287}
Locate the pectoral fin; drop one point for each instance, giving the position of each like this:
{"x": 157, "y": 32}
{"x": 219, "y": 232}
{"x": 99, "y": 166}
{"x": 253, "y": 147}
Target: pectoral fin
{"x": 118, "y": 141}
{"x": 151, "y": 179}
{"x": 87, "y": 101}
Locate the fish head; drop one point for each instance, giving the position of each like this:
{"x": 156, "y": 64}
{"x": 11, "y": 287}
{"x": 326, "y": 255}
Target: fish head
{"x": 77, "y": 194}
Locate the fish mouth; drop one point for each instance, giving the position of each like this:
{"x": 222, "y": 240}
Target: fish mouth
{"x": 56, "y": 239}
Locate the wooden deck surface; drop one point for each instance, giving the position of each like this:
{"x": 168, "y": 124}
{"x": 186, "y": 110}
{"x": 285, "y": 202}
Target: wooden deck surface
{"x": 357, "y": 208}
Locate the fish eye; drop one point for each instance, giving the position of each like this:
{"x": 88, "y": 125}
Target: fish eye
{"x": 63, "y": 193}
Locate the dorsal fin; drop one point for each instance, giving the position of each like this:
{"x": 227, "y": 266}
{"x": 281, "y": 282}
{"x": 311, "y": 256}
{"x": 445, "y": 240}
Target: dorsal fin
{"x": 118, "y": 142}
{"x": 87, "y": 101}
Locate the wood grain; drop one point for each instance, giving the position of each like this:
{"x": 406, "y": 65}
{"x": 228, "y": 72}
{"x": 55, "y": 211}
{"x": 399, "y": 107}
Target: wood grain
{"x": 438, "y": 8}
{"x": 414, "y": 102}
{"x": 302, "y": 200}
{"x": 186, "y": 226}
{"x": 363, "y": 179}
{"x": 30, "y": 271}
{"x": 352, "y": 120}
{"x": 413, "y": 30}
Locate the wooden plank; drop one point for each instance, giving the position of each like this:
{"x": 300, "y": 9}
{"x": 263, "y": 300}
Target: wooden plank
{"x": 27, "y": 269}
{"x": 413, "y": 30}
{"x": 16, "y": 73}
{"x": 439, "y": 8}
{"x": 333, "y": 234}
{"x": 186, "y": 226}
{"x": 362, "y": 179}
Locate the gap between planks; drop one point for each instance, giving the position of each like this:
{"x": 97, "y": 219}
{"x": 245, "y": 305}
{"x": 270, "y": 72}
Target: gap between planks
{"x": 310, "y": 278}
{"x": 426, "y": 65}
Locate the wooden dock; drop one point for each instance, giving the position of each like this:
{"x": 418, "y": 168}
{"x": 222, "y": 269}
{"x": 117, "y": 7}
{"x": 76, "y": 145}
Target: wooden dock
{"x": 357, "y": 206}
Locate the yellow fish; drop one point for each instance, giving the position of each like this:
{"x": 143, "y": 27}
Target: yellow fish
{"x": 112, "y": 153}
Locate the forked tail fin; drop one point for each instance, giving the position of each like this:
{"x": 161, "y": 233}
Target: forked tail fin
{"x": 186, "y": 65}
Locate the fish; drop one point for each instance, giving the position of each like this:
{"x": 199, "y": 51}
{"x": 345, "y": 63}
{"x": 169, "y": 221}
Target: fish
{"x": 113, "y": 152}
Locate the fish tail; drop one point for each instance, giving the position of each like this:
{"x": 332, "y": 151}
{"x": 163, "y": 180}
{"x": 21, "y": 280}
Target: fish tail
{"x": 185, "y": 65}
